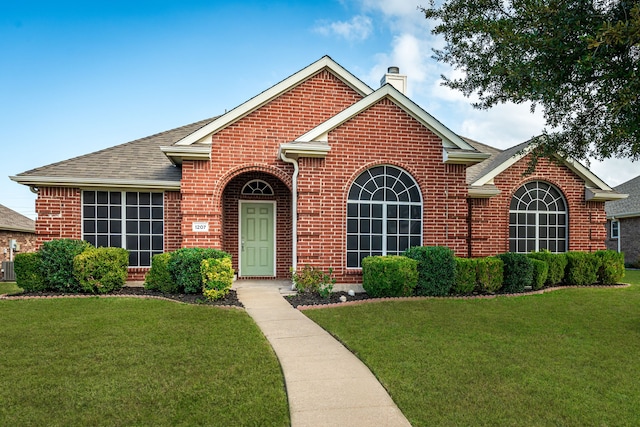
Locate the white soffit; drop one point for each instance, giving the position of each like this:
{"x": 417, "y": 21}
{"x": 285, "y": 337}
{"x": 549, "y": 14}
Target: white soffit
{"x": 202, "y": 134}
{"x": 48, "y": 181}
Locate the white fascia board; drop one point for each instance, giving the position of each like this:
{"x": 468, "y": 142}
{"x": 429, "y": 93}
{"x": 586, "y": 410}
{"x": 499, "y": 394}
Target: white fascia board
{"x": 298, "y": 149}
{"x": 624, "y": 215}
{"x": 254, "y": 103}
{"x": 463, "y": 157}
{"x": 483, "y": 192}
{"x": 597, "y": 195}
{"x": 586, "y": 174}
{"x": 186, "y": 152}
{"x": 54, "y": 181}
{"x": 449, "y": 138}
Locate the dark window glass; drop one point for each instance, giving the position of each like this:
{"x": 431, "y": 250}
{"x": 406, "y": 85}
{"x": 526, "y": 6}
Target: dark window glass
{"x": 115, "y": 212}
{"x": 352, "y": 210}
{"x": 89, "y": 197}
{"x": 103, "y": 226}
{"x": 145, "y": 227}
{"x": 102, "y": 241}
{"x": 156, "y": 213}
{"x": 144, "y": 199}
{"x": 157, "y": 199}
{"x": 132, "y": 242}
{"x": 132, "y": 227}
{"x": 145, "y": 243}
{"x": 115, "y": 197}
{"x": 89, "y": 211}
{"x": 133, "y": 258}
{"x": 156, "y": 228}
{"x": 132, "y": 198}
{"x": 156, "y": 243}
{"x": 102, "y": 198}
{"x": 102, "y": 212}
{"x": 89, "y": 226}
{"x": 132, "y": 212}
{"x": 115, "y": 241}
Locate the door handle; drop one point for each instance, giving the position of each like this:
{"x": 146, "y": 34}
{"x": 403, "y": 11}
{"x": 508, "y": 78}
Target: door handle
{"x": 242, "y": 245}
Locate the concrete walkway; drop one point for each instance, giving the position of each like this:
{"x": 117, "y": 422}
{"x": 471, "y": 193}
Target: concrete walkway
{"x": 326, "y": 384}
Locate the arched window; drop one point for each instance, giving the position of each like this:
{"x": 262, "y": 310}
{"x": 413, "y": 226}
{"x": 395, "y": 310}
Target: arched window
{"x": 384, "y": 214}
{"x": 538, "y": 219}
{"x": 257, "y": 187}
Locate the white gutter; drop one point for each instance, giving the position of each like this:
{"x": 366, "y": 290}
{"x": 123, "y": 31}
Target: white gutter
{"x": 294, "y": 208}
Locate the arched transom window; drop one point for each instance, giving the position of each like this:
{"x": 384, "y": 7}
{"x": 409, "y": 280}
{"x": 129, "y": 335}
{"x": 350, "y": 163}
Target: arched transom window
{"x": 257, "y": 187}
{"x": 384, "y": 214}
{"x": 538, "y": 219}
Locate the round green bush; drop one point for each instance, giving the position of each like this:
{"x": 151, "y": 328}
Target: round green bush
{"x": 389, "y": 276}
{"x": 101, "y": 270}
{"x": 436, "y": 269}
{"x": 57, "y": 264}
{"x": 159, "y": 278}
{"x": 28, "y": 269}
{"x": 518, "y": 272}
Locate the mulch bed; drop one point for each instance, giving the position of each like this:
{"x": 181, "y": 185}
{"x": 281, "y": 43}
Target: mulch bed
{"x": 230, "y": 300}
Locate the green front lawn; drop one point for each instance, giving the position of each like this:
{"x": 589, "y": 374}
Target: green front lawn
{"x": 568, "y": 357}
{"x": 9, "y": 288}
{"x": 122, "y": 361}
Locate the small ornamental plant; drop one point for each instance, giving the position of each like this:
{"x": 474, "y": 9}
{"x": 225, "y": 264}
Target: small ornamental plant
{"x": 313, "y": 279}
{"x": 217, "y": 277}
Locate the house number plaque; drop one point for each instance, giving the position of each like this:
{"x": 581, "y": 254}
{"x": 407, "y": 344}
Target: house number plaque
{"x": 200, "y": 227}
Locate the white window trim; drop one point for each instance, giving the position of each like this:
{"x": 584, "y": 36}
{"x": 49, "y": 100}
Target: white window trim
{"x": 616, "y": 228}
{"x": 123, "y": 217}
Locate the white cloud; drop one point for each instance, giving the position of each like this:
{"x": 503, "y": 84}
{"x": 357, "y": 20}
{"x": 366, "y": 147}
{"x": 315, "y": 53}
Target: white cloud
{"x": 359, "y": 28}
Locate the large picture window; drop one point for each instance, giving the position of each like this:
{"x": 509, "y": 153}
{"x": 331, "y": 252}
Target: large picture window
{"x": 125, "y": 219}
{"x": 538, "y": 219}
{"x": 384, "y": 214}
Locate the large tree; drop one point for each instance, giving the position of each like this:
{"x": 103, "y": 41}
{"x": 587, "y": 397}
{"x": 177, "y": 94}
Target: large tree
{"x": 577, "y": 60}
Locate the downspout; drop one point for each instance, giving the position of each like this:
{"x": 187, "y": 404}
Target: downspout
{"x": 294, "y": 208}
{"x": 469, "y": 227}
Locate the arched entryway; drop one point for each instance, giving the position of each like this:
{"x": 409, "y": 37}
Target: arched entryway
{"x": 256, "y": 225}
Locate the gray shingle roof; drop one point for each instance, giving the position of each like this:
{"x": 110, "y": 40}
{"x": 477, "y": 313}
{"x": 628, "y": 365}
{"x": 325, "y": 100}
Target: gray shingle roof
{"x": 629, "y": 206}
{"x": 136, "y": 160}
{"x": 497, "y": 158}
{"x": 12, "y": 220}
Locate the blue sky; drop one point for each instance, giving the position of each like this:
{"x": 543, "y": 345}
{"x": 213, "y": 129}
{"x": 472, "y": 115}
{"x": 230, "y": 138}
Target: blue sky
{"x": 80, "y": 76}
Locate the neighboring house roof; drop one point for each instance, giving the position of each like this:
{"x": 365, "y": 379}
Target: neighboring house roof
{"x": 629, "y": 207}
{"x": 138, "y": 163}
{"x": 480, "y": 177}
{"x": 11, "y": 220}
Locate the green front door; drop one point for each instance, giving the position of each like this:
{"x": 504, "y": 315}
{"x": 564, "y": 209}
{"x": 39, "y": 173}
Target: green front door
{"x": 257, "y": 239}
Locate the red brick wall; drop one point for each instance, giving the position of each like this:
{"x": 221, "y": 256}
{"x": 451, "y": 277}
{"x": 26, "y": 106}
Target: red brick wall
{"x": 252, "y": 145}
{"x": 490, "y": 218}
{"x": 59, "y": 214}
{"x": 384, "y": 134}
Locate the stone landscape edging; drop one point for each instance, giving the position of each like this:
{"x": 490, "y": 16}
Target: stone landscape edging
{"x": 462, "y": 297}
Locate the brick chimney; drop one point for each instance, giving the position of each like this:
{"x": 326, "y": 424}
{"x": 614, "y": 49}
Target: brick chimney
{"x": 395, "y": 79}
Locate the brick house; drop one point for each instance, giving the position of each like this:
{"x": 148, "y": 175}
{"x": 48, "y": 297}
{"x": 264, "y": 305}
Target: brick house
{"x": 319, "y": 169}
{"x": 623, "y": 222}
{"x": 17, "y": 234}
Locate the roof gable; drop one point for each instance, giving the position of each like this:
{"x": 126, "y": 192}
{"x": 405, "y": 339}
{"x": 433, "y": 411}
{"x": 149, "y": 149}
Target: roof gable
{"x": 450, "y": 141}
{"x": 13, "y": 221}
{"x": 325, "y": 63}
{"x": 482, "y": 175}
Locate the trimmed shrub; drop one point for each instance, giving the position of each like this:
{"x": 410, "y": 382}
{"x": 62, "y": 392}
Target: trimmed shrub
{"x": 540, "y": 272}
{"x": 28, "y": 269}
{"x": 518, "y": 272}
{"x": 611, "y": 269}
{"x": 436, "y": 269}
{"x": 158, "y": 278}
{"x": 389, "y": 276}
{"x": 184, "y": 267}
{"x": 489, "y": 274}
{"x": 557, "y": 264}
{"x": 582, "y": 268}
{"x": 217, "y": 277}
{"x": 465, "y": 277}
{"x": 101, "y": 270}
{"x": 57, "y": 264}
{"x": 313, "y": 279}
